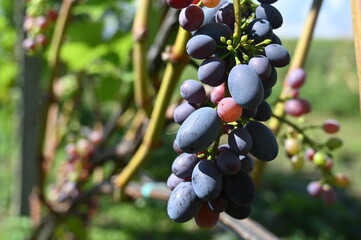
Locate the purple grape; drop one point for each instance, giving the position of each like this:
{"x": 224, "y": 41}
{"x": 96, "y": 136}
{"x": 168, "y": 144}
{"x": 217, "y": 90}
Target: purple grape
{"x": 173, "y": 181}
{"x": 199, "y": 130}
{"x": 328, "y": 195}
{"x": 209, "y": 13}
{"x": 228, "y": 162}
{"x": 176, "y": 147}
{"x": 219, "y": 204}
{"x": 259, "y": 30}
{"x": 183, "y": 111}
{"x": 191, "y": 18}
{"x": 201, "y": 46}
{"x": 211, "y": 71}
{"x": 296, "y": 78}
{"x": 269, "y": 12}
{"x": 267, "y": 92}
{"x": 272, "y": 80}
{"x": 206, "y": 180}
{"x": 183, "y": 203}
{"x": 245, "y": 86}
{"x": 262, "y": 66}
{"x": 183, "y": 165}
{"x": 240, "y": 141}
{"x": 264, "y": 143}
{"x": 225, "y": 14}
{"x": 264, "y": 112}
{"x": 297, "y": 107}
{"x": 215, "y": 31}
{"x": 247, "y": 163}
{"x": 277, "y": 55}
{"x": 238, "y": 211}
{"x": 179, "y": 4}
{"x": 239, "y": 188}
{"x": 192, "y": 91}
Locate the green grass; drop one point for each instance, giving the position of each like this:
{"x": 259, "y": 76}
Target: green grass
{"x": 282, "y": 204}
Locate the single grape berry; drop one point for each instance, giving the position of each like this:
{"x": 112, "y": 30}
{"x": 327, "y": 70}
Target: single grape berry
{"x": 210, "y": 3}
{"x": 228, "y": 110}
{"x": 314, "y": 188}
{"x": 217, "y": 94}
{"x": 331, "y": 126}
{"x": 179, "y": 4}
{"x": 292, "y": 146}
{"x": 191, "y": 18}
{"x": 193, "y": 91}
{"x": 296, "y": 78}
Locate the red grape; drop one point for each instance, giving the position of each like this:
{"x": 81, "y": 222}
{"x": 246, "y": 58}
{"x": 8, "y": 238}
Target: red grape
{"x": 228, "y": 110}
{"x": 331, "y": 126}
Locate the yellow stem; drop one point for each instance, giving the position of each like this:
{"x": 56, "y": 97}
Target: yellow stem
{"x": 153, "y": 132}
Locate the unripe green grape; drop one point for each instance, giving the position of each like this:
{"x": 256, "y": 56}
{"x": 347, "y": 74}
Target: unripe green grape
{"x": 319, "y": 158}
{"x": 333, "y": 143}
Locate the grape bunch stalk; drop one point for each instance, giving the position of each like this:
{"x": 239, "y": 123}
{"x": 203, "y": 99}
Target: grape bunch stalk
{"x": 221, "y": 132}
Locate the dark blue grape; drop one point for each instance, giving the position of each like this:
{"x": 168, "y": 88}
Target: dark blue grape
{"x": 176, "y": 147}
{"x": 264, "y": 112}
{"x": 225, "y": 14}
{"x": 270, "y": 13}
{"x": 259, "y": 30}
{"x": 183, "y": 203}
{"x": 211, "y": 71}
{"x": 183, "y": 165}
{"x": 276, "y": 39}
{"x": 206, "y": 180}
{"x": 267, "y": 1}
{"x": 219, "y": 204}
{"x": 239, "y": 188}
{"x": 191, "y": 18}
{"x": 245, "y": 86}
{"x": 183, "y": 111}
{"x": 267, "y": 92}
{"x": 247, "y": 163}
{"x": 228, "y": 162}
{"x": 249, "y": 113}
{"x": 201, "y": 46}
{"x": 264, "y": 143}
{"x": 238, "y": 211}
{"x": 240, "y": 141}
{"x": 173, "y": 181}
{"x": 261, "y": 65}
{"x": 192, "y": 91}
{"x": 272, "y": 80}
{"x": 277, "y": 55}
{"x": 199, "y": 130}
{"x": 215, "y": 31}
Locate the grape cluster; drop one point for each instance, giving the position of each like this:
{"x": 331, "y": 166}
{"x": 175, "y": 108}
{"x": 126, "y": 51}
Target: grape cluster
{"x": 38, "y": 23}
{"x": 296, "y": 140}
{"x": 240, "y": 68}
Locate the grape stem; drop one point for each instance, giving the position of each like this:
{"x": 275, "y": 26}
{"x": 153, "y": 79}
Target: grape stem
{"x": 237, "y": 24}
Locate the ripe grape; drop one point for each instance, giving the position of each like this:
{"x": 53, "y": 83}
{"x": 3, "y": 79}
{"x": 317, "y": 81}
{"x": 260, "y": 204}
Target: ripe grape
{"x": 309, "y": 153}
{"x": 264, "y": 143}
{"x": 173, "y": 181}
{"x": 240, "y": 141}
{"x": 328, "y": 195}
{"x": 199, "y": 130}
{"x": 331, "y": 126}
{"x": 192, "y": 91}
{"x": 219, "y": 204}
{"x": 206, "y": 180}
{"x": 191, "y": 18}
{"x": 247, "y": 163}
{"x": 228, "y": 110}
{"x": 270, "y": 13}
{"x": 211, "y": 71}
{"x": 262, "y": 66}
{"x": 183, "y": 165}
{"x": 201, "y": 46}
{"x": 259, "y": 30}
{"x": 264, "y": 112}
{"x": 296, "y": 78}
{"x": 225, "y": 14}
{"x": 179, "y": 4}
{"x": 209, "y": 13}
{"x": 341, "y": 180}
{"x": 239, "y": 188}
{"x": 277, "y": 55}
{"x": 245, "y": 86}
{"x": 272, "y": 80}
{"x": 183, "y": 203}
{"x": 182, "y": 112}
{"x": 215, "y": 31}
{"x": 228, "y": 162}
{"x": 266, "y": 92}
{"x": 238, "y": 211}
{"x": 267, "y": 1}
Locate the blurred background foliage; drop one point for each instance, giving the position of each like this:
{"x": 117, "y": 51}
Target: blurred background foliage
{"x": 99, "y": 43}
